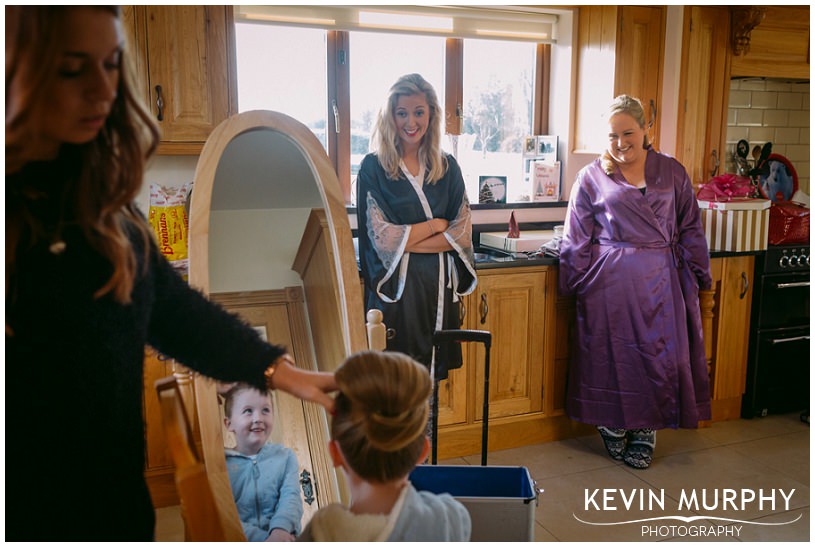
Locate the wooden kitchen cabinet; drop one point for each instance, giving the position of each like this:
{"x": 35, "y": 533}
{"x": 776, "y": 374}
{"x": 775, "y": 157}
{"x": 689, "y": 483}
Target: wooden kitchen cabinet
{"x": 703, "y": 91}
{"x": 733, "y": 296}
{"x": 531, "y": 337}
{"x": 779, "y": 45}
{"x": 159, "y": 470}
{"x": 182, "y": 57}
{"x": 619, "y": 51}
{"x": 512, "y": 306}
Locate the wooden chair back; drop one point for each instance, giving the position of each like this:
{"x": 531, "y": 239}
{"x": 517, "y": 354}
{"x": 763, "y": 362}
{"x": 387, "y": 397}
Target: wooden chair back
{"x": 203, "y": 519}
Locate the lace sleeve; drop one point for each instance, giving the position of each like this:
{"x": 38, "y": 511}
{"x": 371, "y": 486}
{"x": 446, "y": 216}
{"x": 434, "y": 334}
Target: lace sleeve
{"x": 460, "y": 235}
{"x": 388, "y": 239}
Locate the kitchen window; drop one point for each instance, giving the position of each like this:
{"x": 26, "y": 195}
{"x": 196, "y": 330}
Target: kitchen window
{"x": 330, "y": 67}
{"x": 292, "y": 80}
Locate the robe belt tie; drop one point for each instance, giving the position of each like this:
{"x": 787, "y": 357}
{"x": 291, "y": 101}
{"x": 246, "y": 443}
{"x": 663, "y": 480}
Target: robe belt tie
{"x": 676, "y": 248}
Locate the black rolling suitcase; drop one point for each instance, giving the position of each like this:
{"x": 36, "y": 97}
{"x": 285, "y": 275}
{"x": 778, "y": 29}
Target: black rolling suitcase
{"x": 445, "y": 337}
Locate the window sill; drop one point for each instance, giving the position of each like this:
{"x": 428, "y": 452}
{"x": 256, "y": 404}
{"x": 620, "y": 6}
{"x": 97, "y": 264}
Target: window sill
{"x": 520, "y": 205}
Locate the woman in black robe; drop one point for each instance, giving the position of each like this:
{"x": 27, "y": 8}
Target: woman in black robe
{"x": 415, "y": 231}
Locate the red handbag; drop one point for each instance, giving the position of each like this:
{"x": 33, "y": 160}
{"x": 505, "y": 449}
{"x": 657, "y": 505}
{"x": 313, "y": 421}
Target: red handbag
{"x": 789, "y": 224}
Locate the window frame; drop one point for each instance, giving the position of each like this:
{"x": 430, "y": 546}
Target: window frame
{"x": 339, "y": 93}
{"x": 338, "y": 96}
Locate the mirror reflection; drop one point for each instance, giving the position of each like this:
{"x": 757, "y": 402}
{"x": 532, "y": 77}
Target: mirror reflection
{"x": 271, "y": 228}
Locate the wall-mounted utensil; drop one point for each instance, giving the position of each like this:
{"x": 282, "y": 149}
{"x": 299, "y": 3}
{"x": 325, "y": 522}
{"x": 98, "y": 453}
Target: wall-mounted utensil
{"x": 740, "y": 157}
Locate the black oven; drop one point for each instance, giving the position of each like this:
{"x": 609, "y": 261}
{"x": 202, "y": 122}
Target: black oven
{"x": 778, "y": 356}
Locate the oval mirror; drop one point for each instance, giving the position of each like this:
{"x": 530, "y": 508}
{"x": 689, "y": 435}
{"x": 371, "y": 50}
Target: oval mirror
{"x": 270, "y": 240}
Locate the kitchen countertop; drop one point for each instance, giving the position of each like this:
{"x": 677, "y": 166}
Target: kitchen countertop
{"x": 517, "y": 261}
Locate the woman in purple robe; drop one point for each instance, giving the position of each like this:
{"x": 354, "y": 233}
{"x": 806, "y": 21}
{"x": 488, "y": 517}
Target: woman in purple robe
{"x": 415, "y": 231}
{"x": 635, "y": 257}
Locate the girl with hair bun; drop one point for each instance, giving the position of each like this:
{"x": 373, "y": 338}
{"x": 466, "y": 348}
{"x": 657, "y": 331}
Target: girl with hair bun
{"x": 377, "y": 438}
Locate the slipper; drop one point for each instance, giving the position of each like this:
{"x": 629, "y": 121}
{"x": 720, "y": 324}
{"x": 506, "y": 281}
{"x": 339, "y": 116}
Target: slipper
{"x": 614, "y": 439}
{"x": 640, "y": 448}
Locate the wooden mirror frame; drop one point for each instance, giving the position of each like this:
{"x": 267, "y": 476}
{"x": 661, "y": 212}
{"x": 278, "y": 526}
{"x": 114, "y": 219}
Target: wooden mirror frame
{"x": 345, "y": 317}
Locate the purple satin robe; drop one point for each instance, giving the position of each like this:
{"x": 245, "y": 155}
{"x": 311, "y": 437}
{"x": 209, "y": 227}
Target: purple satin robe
{"x": 635, "y": 264}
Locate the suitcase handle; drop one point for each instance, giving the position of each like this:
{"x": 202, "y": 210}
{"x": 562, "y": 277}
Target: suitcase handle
{"x": 461, "y": 335}
{"x": 441, "y": 337}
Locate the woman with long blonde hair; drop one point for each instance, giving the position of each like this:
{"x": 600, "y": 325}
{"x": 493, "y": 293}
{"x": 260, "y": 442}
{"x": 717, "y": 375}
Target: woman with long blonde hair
{"x": 87, "y": 288}
{"x": 415, "y": 230}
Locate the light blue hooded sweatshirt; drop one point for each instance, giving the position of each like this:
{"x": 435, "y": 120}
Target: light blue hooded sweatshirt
{"x": 266, "y": 488}
{"x": 416, "y": 516}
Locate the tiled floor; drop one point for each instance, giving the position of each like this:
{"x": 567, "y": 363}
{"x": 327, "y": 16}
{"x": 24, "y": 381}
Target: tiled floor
{"x": 743, "y": 456}
{"x": 770, "y": 454}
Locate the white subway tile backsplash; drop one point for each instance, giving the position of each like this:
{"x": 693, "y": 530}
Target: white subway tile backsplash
{"x": 764, "y": 99}
{"x": 787, "y": 135}
{"x": 780, "y": 149}
{"x": 731, "y": 116}
{"x": 774, "y": 85}
{"x": 735, "y": 134}
{"x": 749, "y": 117}
{"x": 774, "y": 111}
{"x": 739, "y": 99}
{"x": 797, "y": 152}
{"x": 778, "y": 118}
{"x": 790, "y": 101}
{"x": 798, "y": 118}
{"x": 760, "y": 135}
{"x": 753, "y": 84}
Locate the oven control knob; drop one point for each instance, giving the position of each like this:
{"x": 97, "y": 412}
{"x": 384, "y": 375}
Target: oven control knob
{"x": 807, "y": 261}
{"x": 784, "y": 261}
{"x": 793, "y": 261}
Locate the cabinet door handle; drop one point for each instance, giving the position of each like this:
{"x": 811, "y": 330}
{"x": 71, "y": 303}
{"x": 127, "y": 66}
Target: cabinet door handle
{"x": 484, "y": 308}
{"x": 159, "y": 104}
{"x": 745, "y": 285}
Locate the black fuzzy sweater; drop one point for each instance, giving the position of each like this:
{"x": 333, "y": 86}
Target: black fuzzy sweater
{"x": 74, "y": 430}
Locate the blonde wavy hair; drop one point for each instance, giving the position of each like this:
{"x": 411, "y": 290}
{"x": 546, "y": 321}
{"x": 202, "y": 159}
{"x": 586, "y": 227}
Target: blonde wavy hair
{"x": 386, "y": 139}
{"x": 623, "y": 104}
{"x": 101, "y": 196}
{"x": 381, "y": 414}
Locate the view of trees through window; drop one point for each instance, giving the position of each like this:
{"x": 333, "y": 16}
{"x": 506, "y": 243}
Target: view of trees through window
{"x": 498, "y": 102}
{"x": 285, "y": 69}
{"x": 376, "y": 62}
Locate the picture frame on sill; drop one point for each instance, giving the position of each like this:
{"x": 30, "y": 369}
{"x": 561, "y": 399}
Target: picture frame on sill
{"x": 530, "y": 146}
{"x": 545, "y": 180}
{"x": 492, "y": 189}
{"x": 547, "y": 148}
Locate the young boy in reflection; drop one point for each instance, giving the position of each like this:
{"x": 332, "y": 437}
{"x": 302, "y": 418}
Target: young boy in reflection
{"x": 263, "y": 476}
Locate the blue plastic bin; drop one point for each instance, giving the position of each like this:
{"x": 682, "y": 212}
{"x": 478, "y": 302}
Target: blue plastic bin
{"x": 501, "y": 500}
